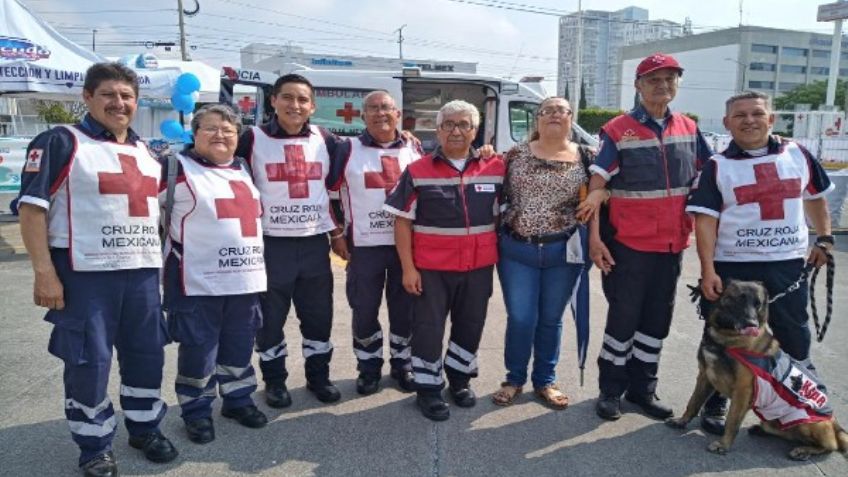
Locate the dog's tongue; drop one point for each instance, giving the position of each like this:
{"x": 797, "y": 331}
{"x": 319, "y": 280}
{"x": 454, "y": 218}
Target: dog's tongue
{"x": 751, "y": 331}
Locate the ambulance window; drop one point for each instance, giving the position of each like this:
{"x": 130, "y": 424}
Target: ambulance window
{"x": 522, "y": 119}
{"x": 245, "y": 100}
{"x": 339, "y": 110}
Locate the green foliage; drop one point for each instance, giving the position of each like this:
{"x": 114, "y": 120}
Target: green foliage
{"x": 593, "y": 118}
{"x": 812, "y": 94}
{"x": 54, "y": 112}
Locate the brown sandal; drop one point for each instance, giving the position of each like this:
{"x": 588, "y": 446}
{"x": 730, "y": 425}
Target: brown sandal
{"x": 553, "y": 397}
{"x": 505, "y": 396}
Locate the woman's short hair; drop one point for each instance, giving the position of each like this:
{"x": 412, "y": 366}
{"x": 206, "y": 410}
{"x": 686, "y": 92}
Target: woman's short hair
{"x": 226, "y": 113}
{"x": 459, "y": 106}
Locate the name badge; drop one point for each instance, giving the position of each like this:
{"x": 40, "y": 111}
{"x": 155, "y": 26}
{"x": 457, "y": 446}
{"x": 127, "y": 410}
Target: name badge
{"x": 484, "y": 187}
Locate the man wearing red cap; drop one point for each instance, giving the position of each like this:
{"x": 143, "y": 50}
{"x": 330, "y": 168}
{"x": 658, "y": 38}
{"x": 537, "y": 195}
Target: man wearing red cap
{"x": 647, "y": 159}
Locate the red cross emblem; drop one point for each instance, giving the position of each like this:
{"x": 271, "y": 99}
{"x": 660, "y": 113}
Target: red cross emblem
{"x": 246, "y": 104}
{"x": 348, "y": 113}
{"x": 132, "y": 183}
{"x": 768, "y": 192}
{"x": 385, "y": 179}
{"x": 243, "y": 207}
{"x": 296, "y": 171}
{"x": 33, "y": 163}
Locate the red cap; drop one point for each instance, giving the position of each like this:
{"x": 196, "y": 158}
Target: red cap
{"x": 657, "y": 61}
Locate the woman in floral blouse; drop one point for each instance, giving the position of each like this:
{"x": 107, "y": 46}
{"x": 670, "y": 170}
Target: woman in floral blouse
{"x": 541, "y": 250}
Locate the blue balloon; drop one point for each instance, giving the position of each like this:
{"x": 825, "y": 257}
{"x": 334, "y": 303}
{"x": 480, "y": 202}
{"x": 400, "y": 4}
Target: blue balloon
{"x": 188, "y": 138}
{"x": 187, "y": 83}
{"x": 183, "y": 102}
{"x": 171, "y": 129}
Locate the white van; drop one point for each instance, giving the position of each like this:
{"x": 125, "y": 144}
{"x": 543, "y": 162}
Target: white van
{"x": 507, "y": 108}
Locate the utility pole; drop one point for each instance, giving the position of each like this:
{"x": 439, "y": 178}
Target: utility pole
{"x": 836, "y": 46}
{"x": 575, "y": 106}
{"x": 93, "y": 42}
{"x": 183, "y": 52}
{"x": 400, "y": 41}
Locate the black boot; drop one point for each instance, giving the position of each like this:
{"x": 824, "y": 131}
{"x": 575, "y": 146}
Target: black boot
{"x": 200, "y": 431}
{"x": 608, "y": 407}
{"x": 277, "y": 396}
{"x": 156, "y": 447}
{"x": 433, "y": 406}
{"x": 462, "y": 394}
{"x": 713, "y": 414}
{"x": 247, "y": 416}
{"x": 367, "y": 383}
{"x": 103, "y": 465}
{"x": 325, "y": 391}
{"x": 650, "y": 404}
{"x": 405, "y": 379}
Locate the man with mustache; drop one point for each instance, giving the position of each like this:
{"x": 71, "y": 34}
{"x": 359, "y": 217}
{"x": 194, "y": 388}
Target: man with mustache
{"x": 89, "y": 219}
{"x": 751, "y": 203}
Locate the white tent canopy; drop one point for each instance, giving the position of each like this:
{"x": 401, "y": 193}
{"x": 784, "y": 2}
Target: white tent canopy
{"x": 37, "y": 61}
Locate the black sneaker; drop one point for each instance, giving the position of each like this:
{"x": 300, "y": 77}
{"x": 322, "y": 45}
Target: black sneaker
{"x": 103, "y": 465}
{"x": 432, "y": 406}
{"x": 405, "y": 379}
{"x": 650, "y": 404}
{"x": 608, "y": 407}
{"x": 367, "y": 383}
{"x": 277, "y": 396}
{"x": 156, "y": 447}
{"x": 325, "y": 392}
{"x": 713, "y": 414}
{"x": 200, "y": 431}
{"x": 247, "y": 416}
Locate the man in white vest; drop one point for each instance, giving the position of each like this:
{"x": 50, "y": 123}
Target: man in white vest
{"x": 89, "y": 219}
{"x": 750, "y": 204}
{"x": 364, "y": 170}
{"x": 290, "y": 160}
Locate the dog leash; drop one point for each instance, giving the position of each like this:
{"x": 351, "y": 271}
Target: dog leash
{"x": 831, "y": 271}
{"x": 810, "y": 271}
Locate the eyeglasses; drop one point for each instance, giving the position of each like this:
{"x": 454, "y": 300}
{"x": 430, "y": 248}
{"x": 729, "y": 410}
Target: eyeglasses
{"x": 212, "y": 130}
{"x": 551, "y": 110}
{"x": 380, "y": 108}
{"x": 448, "y": 126}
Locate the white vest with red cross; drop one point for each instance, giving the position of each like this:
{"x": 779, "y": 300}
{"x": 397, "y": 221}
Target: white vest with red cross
{"x": 113, "y": 210}
{"x": 290, "y": 175}
{"x": 762, "y": 218}
{"x": 218, "y": 224}
{"x": 370, "y": 174}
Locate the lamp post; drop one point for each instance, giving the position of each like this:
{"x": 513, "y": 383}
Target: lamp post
{"x": 744, "y": 73}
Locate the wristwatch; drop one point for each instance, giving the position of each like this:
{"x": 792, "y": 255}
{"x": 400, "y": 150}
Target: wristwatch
{"x": 825, "y": 241}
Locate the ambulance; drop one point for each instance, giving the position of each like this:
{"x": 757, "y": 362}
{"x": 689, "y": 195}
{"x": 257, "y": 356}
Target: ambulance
{"x": 507, "y": 108}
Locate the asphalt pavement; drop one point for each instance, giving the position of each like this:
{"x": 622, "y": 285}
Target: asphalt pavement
{"x": 384, "y": 434}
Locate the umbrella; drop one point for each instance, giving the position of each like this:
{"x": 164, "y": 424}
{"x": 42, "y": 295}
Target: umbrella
{"x": 580, "y": 301}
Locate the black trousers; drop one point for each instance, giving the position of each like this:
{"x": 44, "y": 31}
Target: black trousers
{"x": 371, "y": 270}
{"x": 298, "y": 271}
{"x": 465, "y": 297}
{"x": 640, "y": 290}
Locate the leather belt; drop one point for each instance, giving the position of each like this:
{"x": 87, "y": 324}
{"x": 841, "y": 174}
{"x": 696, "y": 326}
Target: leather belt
{"x": 537, "y": 239}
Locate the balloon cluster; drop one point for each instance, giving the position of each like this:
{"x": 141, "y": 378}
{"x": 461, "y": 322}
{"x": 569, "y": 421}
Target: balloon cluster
{"x": 185, "y": 96}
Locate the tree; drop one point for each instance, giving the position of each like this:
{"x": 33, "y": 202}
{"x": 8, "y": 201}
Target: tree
{"x": 812, "y": 94}
{"x": 54, "y": 112}
{"x": 582, "y": 104}
{"x": 566, "y": 95}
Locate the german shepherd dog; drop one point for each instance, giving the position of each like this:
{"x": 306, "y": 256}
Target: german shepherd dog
{"x": 736, "y": 327}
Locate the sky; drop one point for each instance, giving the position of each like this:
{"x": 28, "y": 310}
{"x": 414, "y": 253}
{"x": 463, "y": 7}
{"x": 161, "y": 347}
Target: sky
{"x": 506, "y": 38}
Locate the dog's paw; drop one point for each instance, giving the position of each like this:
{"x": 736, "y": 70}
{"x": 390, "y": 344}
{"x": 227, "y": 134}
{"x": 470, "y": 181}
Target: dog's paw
{"x": 676, "y": 422}
{"x": 799, "y": 453}
{"x": 717, "y": 448}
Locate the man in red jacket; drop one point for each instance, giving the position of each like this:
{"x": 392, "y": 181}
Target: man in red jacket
{"x": 647, "y": 158}
{"x": 447, "y": 205}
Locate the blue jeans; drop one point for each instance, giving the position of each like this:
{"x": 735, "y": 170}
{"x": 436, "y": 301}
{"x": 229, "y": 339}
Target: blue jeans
{"x": 537, "y": 284}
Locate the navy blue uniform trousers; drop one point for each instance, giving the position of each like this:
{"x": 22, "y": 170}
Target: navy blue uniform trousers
{"x": 216, "y": 335}
{"x": 370, "y": 271}
{"x": 640, "y": 291}
{"x": 119, "y": 309}
{"x": 298, "y": 271}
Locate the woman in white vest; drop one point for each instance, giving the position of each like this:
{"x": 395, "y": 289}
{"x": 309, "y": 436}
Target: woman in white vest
{"x": 214, "y": 272}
